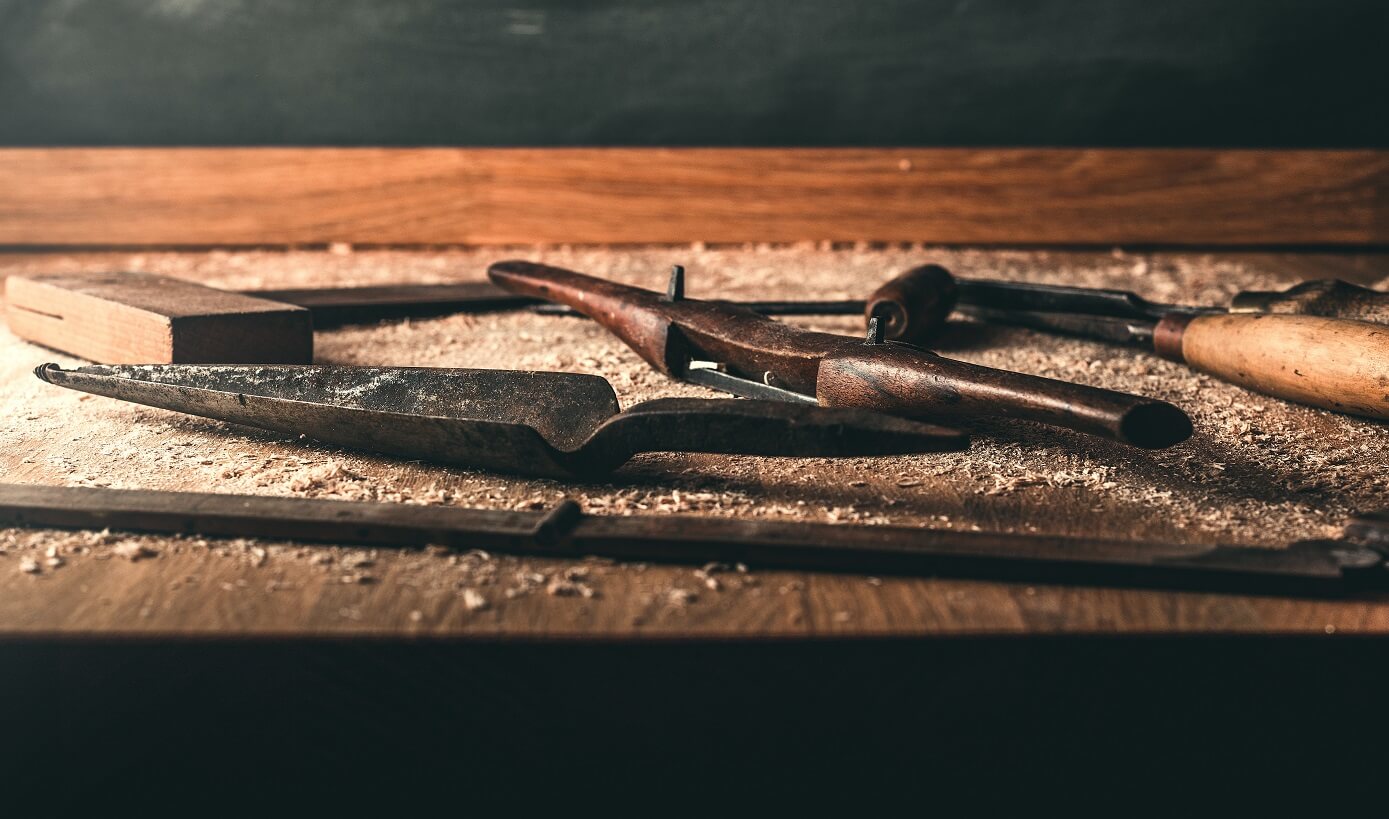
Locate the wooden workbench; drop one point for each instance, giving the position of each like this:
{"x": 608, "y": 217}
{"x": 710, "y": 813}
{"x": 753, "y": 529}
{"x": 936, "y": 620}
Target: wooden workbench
{"x": 387, "y": 676}
{"x": 1257, "y": 471}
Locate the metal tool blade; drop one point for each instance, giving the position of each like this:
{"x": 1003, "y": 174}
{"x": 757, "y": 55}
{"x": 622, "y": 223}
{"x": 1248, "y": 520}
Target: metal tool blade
{"x": 1310, "y": 567}
{"x": 712, "y": 375}
{"x": 1133, "y": 331}
{"x": 1053, "y": 298}
{"x": 535, "y": 423}
{"x": 848, "y": 307}
{"x": 336, "y": 306}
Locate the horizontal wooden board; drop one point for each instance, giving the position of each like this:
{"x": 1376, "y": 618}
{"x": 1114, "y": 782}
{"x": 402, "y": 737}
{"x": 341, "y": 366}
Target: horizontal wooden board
{"x": 257, "y": 196}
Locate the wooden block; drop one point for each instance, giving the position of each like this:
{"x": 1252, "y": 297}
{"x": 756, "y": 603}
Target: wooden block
{"x": 137, "y": 318}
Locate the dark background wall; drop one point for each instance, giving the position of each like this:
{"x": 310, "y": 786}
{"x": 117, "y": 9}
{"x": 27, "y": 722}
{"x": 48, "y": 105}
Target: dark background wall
{"x": 1284, "y": 73}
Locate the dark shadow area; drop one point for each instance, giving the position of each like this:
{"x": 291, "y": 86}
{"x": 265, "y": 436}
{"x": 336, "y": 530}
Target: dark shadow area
{"x": 337, "y": 724}
{"x": 1278, "y": 73}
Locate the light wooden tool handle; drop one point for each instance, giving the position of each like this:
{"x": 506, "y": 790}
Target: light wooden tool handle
{"x": 1332, "y": 363}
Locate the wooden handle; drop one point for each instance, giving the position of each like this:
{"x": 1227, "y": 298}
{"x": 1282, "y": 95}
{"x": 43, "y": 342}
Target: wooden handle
{"x": 902, "y": 380}
{"x": 1331, "y": 298}
{"x": 1323, "y": 362}
{"x": 913, "y": 307}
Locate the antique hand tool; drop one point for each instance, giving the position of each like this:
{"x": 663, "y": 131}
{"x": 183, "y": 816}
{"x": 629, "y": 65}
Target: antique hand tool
{"x": 1317, "y": 567}
{"x": 1332, "y": 363}
{"x": 546, "y": 424}
{"x": 914, "y": 305}
{"x": 768, "y": 359}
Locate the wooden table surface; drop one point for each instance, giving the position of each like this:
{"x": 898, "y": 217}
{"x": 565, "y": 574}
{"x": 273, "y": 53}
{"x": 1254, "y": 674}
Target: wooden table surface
{"x": 111, "y": 585}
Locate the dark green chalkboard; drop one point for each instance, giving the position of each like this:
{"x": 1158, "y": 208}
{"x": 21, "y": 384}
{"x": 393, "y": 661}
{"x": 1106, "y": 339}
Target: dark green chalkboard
{"x": 1278, "y": 73}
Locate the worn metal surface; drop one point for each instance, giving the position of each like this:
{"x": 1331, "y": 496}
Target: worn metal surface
{"x": 1062, "y": 299}
{"x": 1331, "y": 298}
{"x": 916, "y": 303}
{"x": 535, "y": 423}
{"x": 1311, "y": 567}
{"x": 1117, "y": 330}
{"x": 337, "y": 306}
{"x": 840, "y": 370}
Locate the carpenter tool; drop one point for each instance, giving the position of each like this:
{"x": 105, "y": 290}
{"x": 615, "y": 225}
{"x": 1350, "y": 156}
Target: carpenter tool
{"x": 1333, "y": 363}
{"x": 546, "y": 424}
{"x": 334, "y": 306}
{"x": 1317, "y": 567}
{"x": 914, "y": 305}
{"x": 757, "y": 357}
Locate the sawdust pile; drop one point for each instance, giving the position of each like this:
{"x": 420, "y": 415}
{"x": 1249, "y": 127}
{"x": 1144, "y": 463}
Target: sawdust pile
{"x": 1257, "y": 471}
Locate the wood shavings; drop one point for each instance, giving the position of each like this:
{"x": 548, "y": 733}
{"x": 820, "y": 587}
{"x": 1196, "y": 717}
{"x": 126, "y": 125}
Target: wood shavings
{"x": 330, "y": 479}
{"x": 1259, "y": 471}
{"x": 705, "y": 574}
{"x": 563, "y": 587}
{"x": 28, "y": 565}
{"x": 680, "y": 598}
{"x": 133, "y": 550}
{"x": 358, "y": 560}
{"x": 474, "y": 601}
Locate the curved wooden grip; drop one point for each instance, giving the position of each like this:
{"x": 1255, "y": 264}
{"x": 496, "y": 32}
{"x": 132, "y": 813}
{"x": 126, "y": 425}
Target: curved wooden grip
{"x": 905, "y": 381}
{"x": 913, "y": 306}
{"x": 1331, "y": 298}
{"x": 1331, "y": 363}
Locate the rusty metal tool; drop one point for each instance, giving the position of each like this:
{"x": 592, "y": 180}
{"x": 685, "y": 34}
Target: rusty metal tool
{"x": 1332, "y": 363}
{"x": 763, "y": 358}
{"x": 548, "y": 424}
{"x": 914, "y": 305}
{"x": 1317, "y": 567}
{"x": 334, "y": 306}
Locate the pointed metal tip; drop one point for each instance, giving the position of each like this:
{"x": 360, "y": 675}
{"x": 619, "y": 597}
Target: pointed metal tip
{"x": 43, "y": 370}
{"x": 875, "y": 331}
{"x": 675, "y": 290}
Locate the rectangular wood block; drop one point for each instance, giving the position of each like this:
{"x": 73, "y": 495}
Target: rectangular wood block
{"x": 138, "y": 318}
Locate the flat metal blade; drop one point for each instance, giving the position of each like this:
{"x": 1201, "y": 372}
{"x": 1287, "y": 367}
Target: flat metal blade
{"x": 1131, "y": 331}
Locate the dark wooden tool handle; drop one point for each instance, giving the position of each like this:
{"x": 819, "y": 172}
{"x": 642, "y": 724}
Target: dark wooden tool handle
{"x": 906, "y": 381}
{"x": 1330, "y": 298}
{"x": 913, "y": 307}
{"x": 1323, "y": 362}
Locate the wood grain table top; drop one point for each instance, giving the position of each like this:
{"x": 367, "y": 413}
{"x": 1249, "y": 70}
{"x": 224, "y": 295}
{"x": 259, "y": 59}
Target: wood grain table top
{"x": 1257, "y": 472}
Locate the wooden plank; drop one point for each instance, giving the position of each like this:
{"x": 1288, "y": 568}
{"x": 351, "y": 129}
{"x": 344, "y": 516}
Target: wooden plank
{"x": 136, "y": 318}
{"x": 259, "y": 196}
